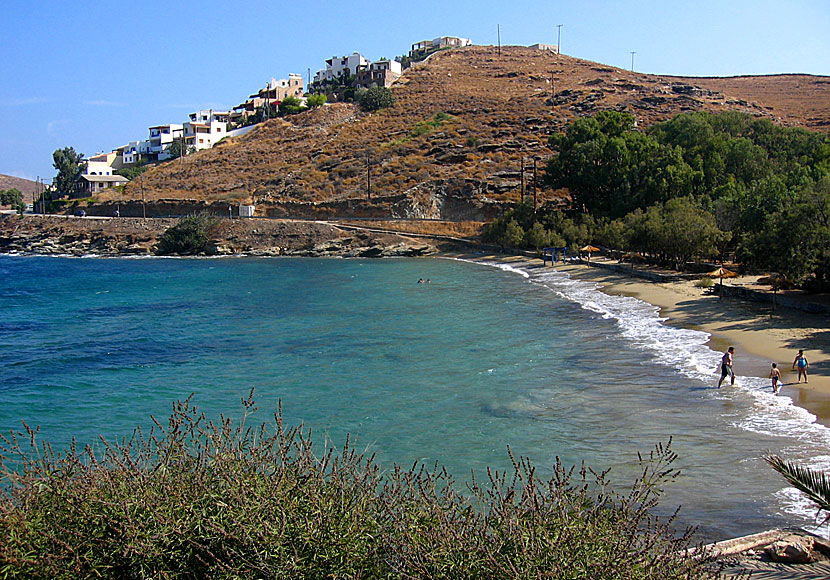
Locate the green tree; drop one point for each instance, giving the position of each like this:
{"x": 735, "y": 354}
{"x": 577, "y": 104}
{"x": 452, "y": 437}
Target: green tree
{"x": 377, "y": 98}
{"x": 814, "y": 484}
{"x": 314, "y": 101}
{"x": 11, "y": 197}
{"x": 178, "y": 148}
{"x": 70, "y": 166}
{"x": 290, "y": 105}
{"x": 537, "y": 236}
{"x": 188, "y": 237}
{"x": 134, "y": 171}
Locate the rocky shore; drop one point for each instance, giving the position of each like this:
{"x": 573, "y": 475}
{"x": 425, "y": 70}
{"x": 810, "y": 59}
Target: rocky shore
{"x": 67, "y": 235}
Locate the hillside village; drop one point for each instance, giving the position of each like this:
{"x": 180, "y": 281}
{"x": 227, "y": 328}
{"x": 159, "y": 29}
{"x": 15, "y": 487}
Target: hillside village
{"x": 206, "y": 128}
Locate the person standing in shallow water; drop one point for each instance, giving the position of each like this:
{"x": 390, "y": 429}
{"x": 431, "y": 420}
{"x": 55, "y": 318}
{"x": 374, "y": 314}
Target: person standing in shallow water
{"x": 775, "y": 375}
{"x": 802, "y": 364}
{"x": 726, "y": 366}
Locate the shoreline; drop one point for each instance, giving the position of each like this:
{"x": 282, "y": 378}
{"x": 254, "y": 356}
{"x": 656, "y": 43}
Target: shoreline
{"x": 759, "y": 334}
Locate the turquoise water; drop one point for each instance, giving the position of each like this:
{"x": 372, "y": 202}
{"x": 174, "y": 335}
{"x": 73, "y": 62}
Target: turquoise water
{"x": 452, "y": 371}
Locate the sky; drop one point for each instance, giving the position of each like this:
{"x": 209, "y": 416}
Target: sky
{"x": 96, "y": 75}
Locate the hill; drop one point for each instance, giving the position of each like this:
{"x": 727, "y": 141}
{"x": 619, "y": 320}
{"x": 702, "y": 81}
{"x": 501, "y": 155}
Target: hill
{"x": 453, "y": 145}
{"x": 26, "y": 187}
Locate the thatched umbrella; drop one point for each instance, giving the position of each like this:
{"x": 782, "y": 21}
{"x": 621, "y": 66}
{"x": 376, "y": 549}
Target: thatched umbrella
{"x": 589, "y": 248}
{"x": 722, "y": 273}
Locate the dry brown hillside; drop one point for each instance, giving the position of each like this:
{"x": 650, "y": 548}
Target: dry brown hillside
{"x": 24, "y": 186}
{"x": 453, "y": 145}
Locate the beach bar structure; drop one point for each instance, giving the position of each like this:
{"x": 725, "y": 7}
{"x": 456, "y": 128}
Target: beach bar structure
{"x": 553, "y": 255}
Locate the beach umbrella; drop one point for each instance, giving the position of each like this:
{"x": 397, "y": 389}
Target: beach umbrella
{"x": 722, "y": 273}
{"x": 589, "y": 249}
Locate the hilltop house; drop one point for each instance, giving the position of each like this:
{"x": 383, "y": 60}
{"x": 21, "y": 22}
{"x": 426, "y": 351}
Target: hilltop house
{"x": 100, "y": 173}
{"x": 92, "y": 184}
{"x": 341, "y": 66}
{"x": 205, "y": 128}
{"x": 381, "y": 73}
{"x": 271, "y": 96}
{"x": 426, "y": 47}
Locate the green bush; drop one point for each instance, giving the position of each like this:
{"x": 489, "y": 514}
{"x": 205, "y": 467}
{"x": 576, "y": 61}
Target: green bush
{"x": 200, "y": 499}
{"x": 376, "y": 98}
{"x": 705, "y": 282}
{"x": 188, "y": 237}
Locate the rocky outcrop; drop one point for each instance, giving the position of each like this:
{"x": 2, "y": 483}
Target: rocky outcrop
{"x": 60, "y": 235}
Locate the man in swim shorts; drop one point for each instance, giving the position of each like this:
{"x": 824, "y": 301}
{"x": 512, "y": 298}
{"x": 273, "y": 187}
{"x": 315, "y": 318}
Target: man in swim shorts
{"x": 726, "y": 366}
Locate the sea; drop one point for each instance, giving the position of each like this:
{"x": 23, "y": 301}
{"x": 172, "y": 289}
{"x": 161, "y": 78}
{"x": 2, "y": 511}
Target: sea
{"x": 479, "y": 358}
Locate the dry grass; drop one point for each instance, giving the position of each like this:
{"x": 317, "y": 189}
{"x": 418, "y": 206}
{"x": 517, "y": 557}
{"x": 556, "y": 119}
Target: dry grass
{"x": 499, "y": 110}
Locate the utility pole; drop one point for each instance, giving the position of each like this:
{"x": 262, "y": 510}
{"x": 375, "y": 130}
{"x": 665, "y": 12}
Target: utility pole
{"x": 523, "y": 179}
{"x": 558, "y": 39}
{"x": 498, "y": 35}
{"x": 633, "y": 52}
{"x": 368, "y": 176}
{"x": 143, "y": 202}
{"x": 534, "y": 184}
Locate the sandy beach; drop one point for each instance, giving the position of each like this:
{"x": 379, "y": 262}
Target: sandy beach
{"x": 759, "y": 334}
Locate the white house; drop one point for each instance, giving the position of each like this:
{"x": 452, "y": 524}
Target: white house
{"x": 426, "y": 46}
{"x": 95, "y": 183}
{"x": 550, "y": 47}
{"x": 381, "y": 73}
{"x": 161, "y": 137}
{"x": 102, "y": 164}
{"x": 338, "y": 66}
{"x": 204, "y": 135}
{"x": 131, "y": 152}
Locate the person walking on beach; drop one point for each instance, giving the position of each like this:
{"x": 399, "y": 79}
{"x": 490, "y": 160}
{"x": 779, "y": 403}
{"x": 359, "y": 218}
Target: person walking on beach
{"x": 726, "y": 366}
{"x": 775, "y": 375}
{"x": 802, "y": 364}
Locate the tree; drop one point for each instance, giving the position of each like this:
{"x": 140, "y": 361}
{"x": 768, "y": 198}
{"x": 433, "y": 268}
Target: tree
{"x": 70, "y": 166}
{"x": 178, "y": 148}
{"x": 290, "y": 105}
{"x": 10, "y": 197}
{"x": 314, "y": 101}
{"x": 537, "y": 236}
{"x": 134, "y": 171}
{"x": 377, "y": 98}
{"x": 188, "y": 237}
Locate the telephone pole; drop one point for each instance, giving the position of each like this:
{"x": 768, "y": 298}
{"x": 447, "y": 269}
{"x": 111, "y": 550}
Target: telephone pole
{"x": 633, "y": 52}
{"x": 558, "y": 39}
{"x": 498, "y": 35}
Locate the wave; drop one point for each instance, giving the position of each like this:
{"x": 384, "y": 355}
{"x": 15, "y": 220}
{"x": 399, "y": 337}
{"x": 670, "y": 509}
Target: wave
{"x": 687, "y": 352}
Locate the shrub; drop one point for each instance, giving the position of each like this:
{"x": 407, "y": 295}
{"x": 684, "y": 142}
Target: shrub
{"x": 376, "y": 98}
{"x": 188, "y": 237}
{"x": 195, "y": 498}
{"x": 705, "y": 282}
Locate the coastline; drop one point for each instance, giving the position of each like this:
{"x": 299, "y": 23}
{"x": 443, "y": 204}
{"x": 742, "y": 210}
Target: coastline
{"x": 759, "y": 334}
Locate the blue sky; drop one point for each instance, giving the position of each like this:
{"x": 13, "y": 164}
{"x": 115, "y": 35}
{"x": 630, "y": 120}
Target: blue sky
{"x": 95, "y": 75}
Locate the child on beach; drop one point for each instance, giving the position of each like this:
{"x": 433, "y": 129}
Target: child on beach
{"x": 775, "y": 375}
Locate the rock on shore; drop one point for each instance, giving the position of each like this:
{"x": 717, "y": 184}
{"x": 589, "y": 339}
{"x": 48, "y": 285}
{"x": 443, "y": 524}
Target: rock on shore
{"x": 53, "y": 235}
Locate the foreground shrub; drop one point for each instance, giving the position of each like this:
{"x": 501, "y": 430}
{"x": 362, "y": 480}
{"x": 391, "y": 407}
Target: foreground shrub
{"x": 188, "y": 237}
{"x": 202, "y": 499}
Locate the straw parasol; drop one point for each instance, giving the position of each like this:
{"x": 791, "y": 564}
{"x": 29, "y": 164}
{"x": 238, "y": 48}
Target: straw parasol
{"x": 589, "y": 248}
{"x": 722, "y": 273}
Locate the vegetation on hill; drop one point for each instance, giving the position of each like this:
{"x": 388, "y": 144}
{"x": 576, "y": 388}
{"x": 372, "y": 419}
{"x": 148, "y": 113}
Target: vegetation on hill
{"x": 199, "y": 499}
{"x": 697, "y": 186}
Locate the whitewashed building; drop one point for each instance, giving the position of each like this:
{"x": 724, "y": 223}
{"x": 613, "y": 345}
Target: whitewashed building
{"x": 161, "y": 137}
{"x": 338, "y": 66}
{"x": 427, "y": 46}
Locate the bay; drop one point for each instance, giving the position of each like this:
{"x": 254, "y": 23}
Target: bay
{"x": 452, "y": 371}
